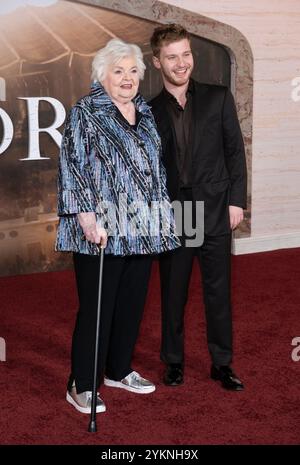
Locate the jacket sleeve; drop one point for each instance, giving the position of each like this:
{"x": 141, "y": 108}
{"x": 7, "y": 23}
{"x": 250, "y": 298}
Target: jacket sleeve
{"x": 76, "y": 191}
{"x": 234, "y": 153}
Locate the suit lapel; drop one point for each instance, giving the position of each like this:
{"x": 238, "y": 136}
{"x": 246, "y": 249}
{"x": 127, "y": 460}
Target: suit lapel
{"x": 200, "y": 110}
{"x": 162, "y": 116}
{"x": 166, "y": 130}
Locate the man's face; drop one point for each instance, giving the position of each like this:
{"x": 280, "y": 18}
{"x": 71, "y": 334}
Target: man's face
{"x": 175, "y": 62}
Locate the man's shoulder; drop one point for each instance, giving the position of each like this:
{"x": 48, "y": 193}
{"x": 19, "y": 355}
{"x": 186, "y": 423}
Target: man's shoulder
{"x": 199, "y": 88}
{"x": 210, "y": 88}
{"x": 156, "y": 101}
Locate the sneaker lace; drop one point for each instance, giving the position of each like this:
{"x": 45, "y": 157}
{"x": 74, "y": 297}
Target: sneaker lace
{"x": 135, "y": 376}
{"x": 90, "y": 395}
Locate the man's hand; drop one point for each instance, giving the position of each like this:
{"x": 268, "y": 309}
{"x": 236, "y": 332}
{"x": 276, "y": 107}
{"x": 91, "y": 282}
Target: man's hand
{"x": 92, "y": 232}
{"x": 236, "y": 215}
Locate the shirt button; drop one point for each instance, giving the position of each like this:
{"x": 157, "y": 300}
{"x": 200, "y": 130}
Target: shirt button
{"x": 147, "y": 172}
{"x": 141, "y": 143}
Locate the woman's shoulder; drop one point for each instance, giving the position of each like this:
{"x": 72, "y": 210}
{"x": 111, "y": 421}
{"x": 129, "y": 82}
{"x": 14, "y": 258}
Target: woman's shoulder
{"x": 81, "y": 109}
{"x": 84, "y": 103}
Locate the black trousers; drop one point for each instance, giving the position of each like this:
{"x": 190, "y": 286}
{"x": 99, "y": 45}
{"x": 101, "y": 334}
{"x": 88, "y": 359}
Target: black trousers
{"x": 214, "y": 258}
{"x": 124, "y": 289}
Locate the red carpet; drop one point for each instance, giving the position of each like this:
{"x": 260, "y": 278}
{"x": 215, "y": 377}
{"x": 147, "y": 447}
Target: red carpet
{"x": 37, "y": 316}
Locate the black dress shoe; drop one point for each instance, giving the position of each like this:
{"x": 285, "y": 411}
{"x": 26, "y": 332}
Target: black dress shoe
{"x": 227, "y": 377}
{"x": 173, "y": 375}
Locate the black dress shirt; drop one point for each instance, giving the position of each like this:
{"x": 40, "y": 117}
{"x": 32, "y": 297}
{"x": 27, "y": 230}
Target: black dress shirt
{"x": 122, "y": 118}
{"x": 182, "y": 120}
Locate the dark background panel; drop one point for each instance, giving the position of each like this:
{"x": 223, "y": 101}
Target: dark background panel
{"x": 47, "y": 52}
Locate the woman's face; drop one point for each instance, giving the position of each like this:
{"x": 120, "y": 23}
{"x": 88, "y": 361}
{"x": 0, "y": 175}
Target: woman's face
{"x": 122, "y": 80}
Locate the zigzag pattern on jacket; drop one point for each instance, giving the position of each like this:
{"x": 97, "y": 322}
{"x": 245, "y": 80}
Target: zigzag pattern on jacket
{"x": 102, "y": 160}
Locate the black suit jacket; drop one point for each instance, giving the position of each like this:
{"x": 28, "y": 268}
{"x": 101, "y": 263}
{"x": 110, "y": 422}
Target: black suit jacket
{"x": 218, "y": 155}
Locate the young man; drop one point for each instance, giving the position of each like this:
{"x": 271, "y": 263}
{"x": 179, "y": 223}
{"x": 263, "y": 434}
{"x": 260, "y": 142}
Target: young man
{"x": 204, "y": 157}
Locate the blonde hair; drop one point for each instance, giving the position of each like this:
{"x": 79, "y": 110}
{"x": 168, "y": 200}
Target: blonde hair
{"x": 167, "y": 34}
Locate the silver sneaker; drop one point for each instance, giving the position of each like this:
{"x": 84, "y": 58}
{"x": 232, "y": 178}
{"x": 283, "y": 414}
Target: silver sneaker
{"x": 83, "y": 401}
{"x": 133, "y": 382}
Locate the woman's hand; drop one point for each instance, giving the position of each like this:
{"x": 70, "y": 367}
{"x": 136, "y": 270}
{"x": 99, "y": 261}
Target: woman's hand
{"x": 92, "y": 232}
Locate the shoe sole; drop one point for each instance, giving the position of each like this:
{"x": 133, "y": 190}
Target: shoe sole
{"x": 99, "y": 409}
{"x": 118, "y": 384}
{"x": 226, "y": 387}
{"x": 173, "y": 384}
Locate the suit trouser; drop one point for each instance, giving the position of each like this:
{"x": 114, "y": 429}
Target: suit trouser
{"x": 124, "y": 289}
{"x": 175, "y": 271}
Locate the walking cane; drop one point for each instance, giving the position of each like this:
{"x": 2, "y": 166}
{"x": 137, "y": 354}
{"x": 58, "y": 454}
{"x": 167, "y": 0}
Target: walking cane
{"x": 93, "y": 424}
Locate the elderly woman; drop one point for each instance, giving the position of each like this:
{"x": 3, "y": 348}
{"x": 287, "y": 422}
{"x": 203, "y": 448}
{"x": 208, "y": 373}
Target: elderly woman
{"x": 112, "y": 192}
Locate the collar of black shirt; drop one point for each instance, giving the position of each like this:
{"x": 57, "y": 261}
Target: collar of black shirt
{"x": 138, "y": 117}
{"x": 190, "y": 91}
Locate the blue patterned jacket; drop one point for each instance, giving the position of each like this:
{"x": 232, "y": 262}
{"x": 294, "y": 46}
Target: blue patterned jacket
{"x": 105, "y": 165}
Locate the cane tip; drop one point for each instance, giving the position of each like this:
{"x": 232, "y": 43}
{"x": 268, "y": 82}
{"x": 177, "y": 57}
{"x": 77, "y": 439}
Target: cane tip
{"x": 92, "y": 427}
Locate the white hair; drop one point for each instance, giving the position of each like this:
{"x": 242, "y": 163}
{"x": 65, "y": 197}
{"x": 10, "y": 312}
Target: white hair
{"x": 114, "y": 51}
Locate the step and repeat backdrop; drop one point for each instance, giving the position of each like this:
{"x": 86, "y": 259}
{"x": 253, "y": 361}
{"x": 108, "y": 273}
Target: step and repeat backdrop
{"x": 46, "y": 50}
